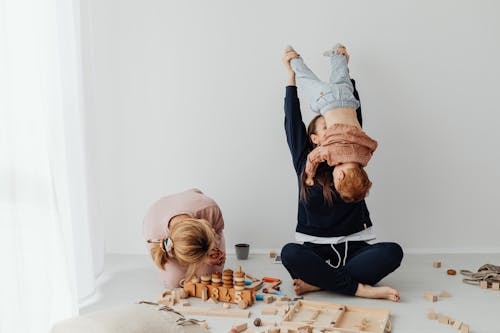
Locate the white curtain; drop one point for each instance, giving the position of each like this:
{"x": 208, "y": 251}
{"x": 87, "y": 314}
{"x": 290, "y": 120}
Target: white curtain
{"x": 45, "y": 248}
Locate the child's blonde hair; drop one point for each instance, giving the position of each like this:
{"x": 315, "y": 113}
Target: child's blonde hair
{"x": 192, "y": 239}
{"x": 354, "y": 186}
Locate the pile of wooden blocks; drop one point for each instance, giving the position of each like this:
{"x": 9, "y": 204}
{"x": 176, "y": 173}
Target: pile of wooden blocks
{"x": 171, "y": 297}
{"x": 443, "y": 319}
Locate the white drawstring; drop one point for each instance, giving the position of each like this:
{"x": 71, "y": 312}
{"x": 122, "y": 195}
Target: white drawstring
{"x": 345, "y": 253}
{"x": 338, "y": 255}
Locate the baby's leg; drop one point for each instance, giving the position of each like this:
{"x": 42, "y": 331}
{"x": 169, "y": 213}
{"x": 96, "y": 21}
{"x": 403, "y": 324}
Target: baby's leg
{"x": 339, "y": 72}
{"x": 308, "y": 82}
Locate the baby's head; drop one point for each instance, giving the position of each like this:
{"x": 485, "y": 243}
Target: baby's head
{"x": 351, "y": 182}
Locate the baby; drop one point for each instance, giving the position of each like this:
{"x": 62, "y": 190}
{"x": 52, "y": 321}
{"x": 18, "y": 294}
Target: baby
{"x": 344, "y": 144}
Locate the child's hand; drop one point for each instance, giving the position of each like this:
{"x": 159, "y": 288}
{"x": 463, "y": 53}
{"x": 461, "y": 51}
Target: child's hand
{"x": 289, "y": 55}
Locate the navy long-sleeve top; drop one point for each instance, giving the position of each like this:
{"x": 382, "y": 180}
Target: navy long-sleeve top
{"x": 314, "y": 216}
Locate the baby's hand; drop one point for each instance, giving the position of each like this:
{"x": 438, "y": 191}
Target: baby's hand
{"x": 309, "y": 181}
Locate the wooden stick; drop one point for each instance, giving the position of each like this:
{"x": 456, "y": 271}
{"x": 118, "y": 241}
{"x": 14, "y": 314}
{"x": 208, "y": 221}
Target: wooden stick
{"x": 336, "y": 317}
{"x": 217, "y": 312}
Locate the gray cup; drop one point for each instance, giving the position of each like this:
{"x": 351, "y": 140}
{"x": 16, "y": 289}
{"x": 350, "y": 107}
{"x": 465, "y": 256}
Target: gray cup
{"x": 242, "y": 251}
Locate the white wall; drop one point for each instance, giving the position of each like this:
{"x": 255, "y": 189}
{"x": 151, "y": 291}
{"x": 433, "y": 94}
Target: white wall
{"x": 190, "y": 93}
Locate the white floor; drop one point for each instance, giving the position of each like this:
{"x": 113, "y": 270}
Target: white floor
{"x": 131, "y": 278}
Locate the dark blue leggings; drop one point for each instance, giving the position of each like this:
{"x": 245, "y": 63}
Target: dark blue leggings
{"x": 365, "y": 263}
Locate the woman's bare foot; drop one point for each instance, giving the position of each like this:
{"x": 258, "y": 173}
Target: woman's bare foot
{"x": 301, "y": 287}
{"x": 368, "y": 291}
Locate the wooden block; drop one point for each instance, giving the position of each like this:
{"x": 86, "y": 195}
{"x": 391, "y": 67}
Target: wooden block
{"x": 464, "y": 328}
{"x": 240, "y": 327}
{"x": 212, "y": 300}
{"x": 243, "y": 304}
{"x": 436, "y": 264}
{"x": 443, "y": 319}
{"x": 444, "y": 293}
{"x": 483, "y": 284}
{"x": 204, "y": 293}
{"x": 431, "y": 315}
{"x": 457, "y": 324}
{"x": 208, "y": 311}
{"x": 268, "y": 299}
{"x": 430, "y": 297}
{"x": 495, "y": 286}
{"x": 269, "y": 310}
{"x": 273, "y": 330}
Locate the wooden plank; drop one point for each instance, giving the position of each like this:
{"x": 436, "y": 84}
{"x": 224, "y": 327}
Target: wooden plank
{"x": 217, "y": 312}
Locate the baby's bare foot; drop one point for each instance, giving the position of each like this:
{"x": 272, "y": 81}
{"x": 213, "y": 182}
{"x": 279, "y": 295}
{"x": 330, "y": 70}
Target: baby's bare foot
{"x": 301, "y": 287}
{"x": 367, "y": 291}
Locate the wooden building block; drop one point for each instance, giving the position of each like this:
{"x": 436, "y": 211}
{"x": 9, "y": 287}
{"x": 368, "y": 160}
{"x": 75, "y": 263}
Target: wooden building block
{"x": 243, "y": 304}
{"x": 269, "y": 310}
{"x": 240, "y": 327}
{"x": 204, "y": 293}
{"x": 436, "y": 264}
{"x": 495, "y": 286}
{"x": 210, "y": 311}
{"x": 444, "y": 293}
{"x": 268, "y": 299}
{"x": 273, "y": 330}
{"x": 443, "y": 319}
{"x": 483, "y": 284}
{"x": 430, "y": 297}
{"x": 431, "y": 315}
{"x": 464, "y": 328}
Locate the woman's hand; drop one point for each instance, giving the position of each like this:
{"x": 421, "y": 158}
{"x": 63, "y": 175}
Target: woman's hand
{"x": 216, "y": 257}
{"x": 289, "y": 55}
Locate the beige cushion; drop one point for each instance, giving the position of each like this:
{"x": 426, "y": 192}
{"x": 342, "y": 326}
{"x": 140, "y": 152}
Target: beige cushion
{"x": 134, "y": 318}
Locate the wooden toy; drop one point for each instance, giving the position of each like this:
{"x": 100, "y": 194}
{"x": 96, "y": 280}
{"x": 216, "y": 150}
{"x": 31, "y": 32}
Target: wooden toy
{"x": 495, "y": 286}
{"x": 269, "y": 310}
{"x": 464, "y": 328}
{"x": 268, "y": 299}
{"x": 431, "y": 315}
{"x": 308, "y": 315}
{"x": 213, "y": 287}
{"x": 259, "y": 322}
{"x": 443, "y": 319}
{"x": 217, "y": 312}
{"x": 483, "y": 284}
{"x": 430, "y": 296}
{"x": 240, "y": 327}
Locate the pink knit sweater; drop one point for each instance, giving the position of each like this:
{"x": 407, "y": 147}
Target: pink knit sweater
{"x": 342, "y": 143}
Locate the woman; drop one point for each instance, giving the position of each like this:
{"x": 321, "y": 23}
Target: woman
{"x": 185, "y": 236}
{"x": 334, "y": 254}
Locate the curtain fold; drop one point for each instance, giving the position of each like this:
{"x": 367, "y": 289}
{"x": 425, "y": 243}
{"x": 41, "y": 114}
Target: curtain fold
{"x": 45, "y": 242}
